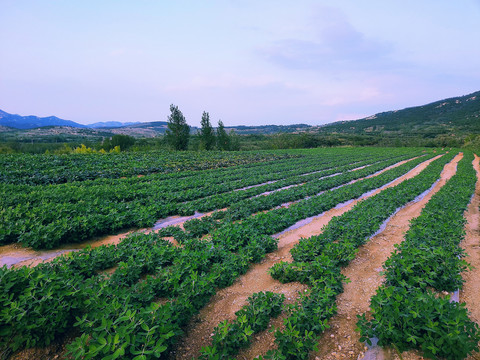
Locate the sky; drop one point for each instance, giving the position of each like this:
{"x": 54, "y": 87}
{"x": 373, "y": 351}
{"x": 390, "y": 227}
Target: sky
{"x": 245, "y": 62}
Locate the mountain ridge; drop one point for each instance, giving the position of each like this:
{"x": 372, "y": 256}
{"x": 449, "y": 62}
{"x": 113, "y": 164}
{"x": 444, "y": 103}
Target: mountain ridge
{"x": 111, "y": 124}
{"x": 455, "y": 114}
{"x": 31, "y": 121}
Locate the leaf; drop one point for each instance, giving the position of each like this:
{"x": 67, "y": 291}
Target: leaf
{"x": 120, "y": 352}
{"x": 140, "y": 357}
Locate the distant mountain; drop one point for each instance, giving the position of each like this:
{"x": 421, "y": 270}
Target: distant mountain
{"x": 453, "y": 116}
{"x": 31, "y": 121}
{"x": 136, "y": 129}
{"x": 147, "y": 129}
{"x": 110, "y": 124}
{"x": 270, "y": 129}
{"x": 150, "y": 125}
{"x": 449, "y": 116}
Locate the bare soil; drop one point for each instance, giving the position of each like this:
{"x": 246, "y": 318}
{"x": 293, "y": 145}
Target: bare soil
{"x": 17, "y": 255}
{"x": 229, "y": 300}
{"x": 471, "y": 289}
{"x": 341, "y": 341}
{"x": 55, "y": 351}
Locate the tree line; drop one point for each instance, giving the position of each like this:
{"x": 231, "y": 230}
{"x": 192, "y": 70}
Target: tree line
{"x": 178, "y": 133}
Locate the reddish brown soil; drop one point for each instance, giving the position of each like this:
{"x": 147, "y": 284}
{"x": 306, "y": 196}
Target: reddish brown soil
{"x": 471, "y": 289}
{"x": 341, "y": 341}
{"x": 229, "y": 300}
{"x": 56, "y": 350}
{"x": 35, "y": 257}
{"x": 15, "y": 252}
{"x": 392, "y": 166}
{"x": 11, "y": 254}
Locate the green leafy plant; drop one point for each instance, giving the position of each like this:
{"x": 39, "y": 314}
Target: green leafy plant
{"x": 229, "y": 337}
{"x": 415, "y": 319}
{"x": 406, "y": 313}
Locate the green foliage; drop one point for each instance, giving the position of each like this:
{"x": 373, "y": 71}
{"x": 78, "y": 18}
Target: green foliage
{"x": 254, "y": 317}
{"x": 114, "y": 313}
{"x": 199, "y": 227}
{"x": 37, "y": 305}
{"x": 235, "y": 141}
{"x": 207, "y": 135}
{"x": 405, "y": 312}
{"x": 318, "y": 261}
{"x": 449, "y": 116}
{"x": 472, "y": 142}
{"x": 22, "y": 169}
{"x": 126, "y": 334}
{"x": 414, "y": 319}
{"x": 307, "y": 319}
{"x": 123, "y": 141}
{"x": 178, "y": 132}
{"x": 309, "y": 273}
{"x": 304, "y": 140}
{"x": 74, "y": 212}
{"x": 223, "y": 140}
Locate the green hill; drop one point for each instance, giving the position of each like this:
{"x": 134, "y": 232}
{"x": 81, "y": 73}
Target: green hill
{"x": 458, "y": 116}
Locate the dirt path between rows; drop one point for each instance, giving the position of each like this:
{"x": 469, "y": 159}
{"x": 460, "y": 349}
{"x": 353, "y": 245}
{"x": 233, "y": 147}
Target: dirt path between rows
{"x": 16, "y": 255}
{"x": 341, "y": 341}
{"x": 227, "y": 301}
{"x": 471, "y": 289}
{"x": 265, "y": 341}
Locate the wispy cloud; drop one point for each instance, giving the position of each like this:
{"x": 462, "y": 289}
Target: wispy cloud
{"x": 245, "y": 61}
{"x": 334, "y": 45}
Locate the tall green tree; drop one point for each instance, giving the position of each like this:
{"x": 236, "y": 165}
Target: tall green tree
{"x": 178, "y": 131}
{"x": 124, "y": 141}
{"x": 223, "y": 140}
{"x": 234, "y": 140}
{"x": 207, "y": 135}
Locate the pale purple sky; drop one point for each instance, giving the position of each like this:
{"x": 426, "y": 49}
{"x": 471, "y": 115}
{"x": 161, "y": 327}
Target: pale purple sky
{"x": 245, "y": 62}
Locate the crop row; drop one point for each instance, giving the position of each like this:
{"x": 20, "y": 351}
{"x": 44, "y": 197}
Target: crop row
{"x": 175, "y": 189}
{"x": 118, "y": 315}
{"x": 106, "y": 209}
{"x": 305, "y": 186}
{"x": 115, "y": 313}
{"x": 76, "y": 191}
{"x": 229, "y": 337}
{"x": 279, "y": 219}
{"x": 56, "y": 169}
{"x": 28, "y": 198}
{"x": 318, "y": 261}
{"x": 28, "y": 208}
{"x": 406, "y": 311}
{"x": 249, "y": 201}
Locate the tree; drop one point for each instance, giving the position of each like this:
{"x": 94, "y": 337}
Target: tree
{"x": 223, "y": 140}
{"x": 178, "y": 131}
{"x": 234, "y": 140}
{"x": 207, "y": 136}
{"x": 123, "y": 141}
